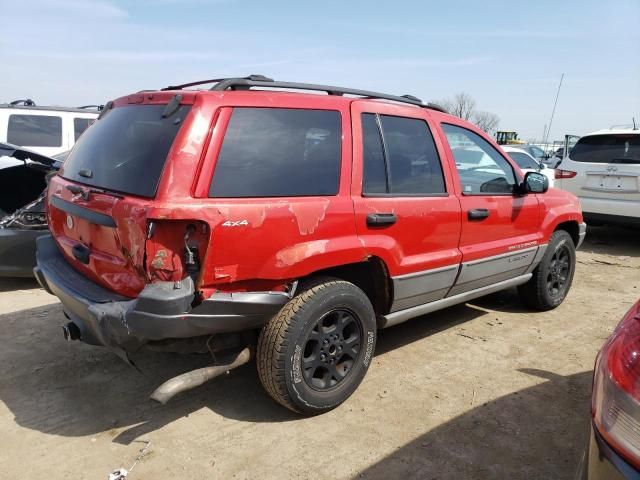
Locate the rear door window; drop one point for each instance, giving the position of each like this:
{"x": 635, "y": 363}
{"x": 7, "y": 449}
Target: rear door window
{"x": 279, "y": 152}
{"x": 80, "y": 125}
{"x": 400, "y": 157}
{"x": 125, "y": 151}
{"x": 620, "y": 148}
{"x": 35, "y": 130}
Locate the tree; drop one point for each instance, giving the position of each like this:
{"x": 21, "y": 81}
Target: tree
{"x": 463, "y": 105}
{"x": 486, "y": 121}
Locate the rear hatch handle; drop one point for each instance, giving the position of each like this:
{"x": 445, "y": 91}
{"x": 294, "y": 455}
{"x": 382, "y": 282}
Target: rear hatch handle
{"x": 81, "y": 253}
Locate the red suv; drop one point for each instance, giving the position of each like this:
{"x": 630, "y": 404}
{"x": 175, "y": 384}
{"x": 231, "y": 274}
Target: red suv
{"x": 292, "y": 223}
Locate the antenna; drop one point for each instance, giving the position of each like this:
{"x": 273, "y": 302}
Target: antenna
{"x": 634, "y": 123}
{"x": 554, "y": 109}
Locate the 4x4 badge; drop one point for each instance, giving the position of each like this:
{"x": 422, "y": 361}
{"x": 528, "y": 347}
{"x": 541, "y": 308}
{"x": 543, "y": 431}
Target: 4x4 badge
{"x": 239, "y": 223}
{"x": 69, "y": 221}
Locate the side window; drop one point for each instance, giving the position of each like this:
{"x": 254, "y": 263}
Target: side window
{"x": 80, "y": 125}
{"x": 35, "y": 130}
{"x": 375, "y": 173}
{"x": 404, "y": 161}
{"x": 279, "y": 152}
{"x": 481, "y": 168}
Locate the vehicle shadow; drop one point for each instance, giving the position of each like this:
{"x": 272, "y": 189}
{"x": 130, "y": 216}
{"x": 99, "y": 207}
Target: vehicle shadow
{"x": 77, "y": 390}
{"x": 515, "y": 436}
{"x": 613, "y": 240}
{"x": 10, "y": 284}
{"x": 424, "y": 326}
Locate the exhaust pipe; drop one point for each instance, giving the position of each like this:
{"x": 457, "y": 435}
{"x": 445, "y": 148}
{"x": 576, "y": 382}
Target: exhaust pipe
{"x": 195, "y": 378}
{"x": 71, "y": 332}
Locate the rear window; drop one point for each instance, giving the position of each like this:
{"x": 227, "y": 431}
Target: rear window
{"x": 35, "y": 130}
{"x": 80, "y": 125}
{"x": 621, "y": 148}
{"x": 279, "y": 152}
{"x": 125, "y": 151}
{"x": 405, "y": 163}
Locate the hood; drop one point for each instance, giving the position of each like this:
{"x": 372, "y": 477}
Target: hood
{"x": 13, "y": 155}
{"x": 23, "y": 180}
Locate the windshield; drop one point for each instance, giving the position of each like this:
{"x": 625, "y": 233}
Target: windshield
{"x": 536, "y": 152}
{"x": 608, "y": 148}
{"x": 523, "y": 160}
{"x": 125, "y": 151}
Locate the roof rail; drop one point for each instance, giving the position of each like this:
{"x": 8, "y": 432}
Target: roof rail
{"x": 215, "y": 80}
{"x": 97, "y": 107}
{"x": 260, "y": 81}
{"x": 27, "y": 103}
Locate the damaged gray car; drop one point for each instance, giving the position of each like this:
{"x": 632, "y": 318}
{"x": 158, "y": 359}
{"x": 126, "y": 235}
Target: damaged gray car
{"x": 23, "y": 180}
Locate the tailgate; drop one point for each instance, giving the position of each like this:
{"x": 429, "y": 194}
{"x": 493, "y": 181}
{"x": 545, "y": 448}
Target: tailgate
{"x": 98, "y": 204}
{"x": 103, "y": 237}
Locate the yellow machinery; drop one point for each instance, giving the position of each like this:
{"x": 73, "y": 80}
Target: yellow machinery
{"x": 508, "y": 138}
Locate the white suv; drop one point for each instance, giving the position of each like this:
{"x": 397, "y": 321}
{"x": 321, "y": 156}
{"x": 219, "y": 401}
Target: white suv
{"x": 603, "y": 170}
{"x": 45, "y": 130}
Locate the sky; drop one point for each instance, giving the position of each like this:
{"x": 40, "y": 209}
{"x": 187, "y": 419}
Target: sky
{"x": 508, "y": 55}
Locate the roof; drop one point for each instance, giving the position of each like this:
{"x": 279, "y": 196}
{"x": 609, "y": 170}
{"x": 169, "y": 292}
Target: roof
{"x": 511, "y": 148}
{"x": 262, "y": 82}
{"x": 614, "y": 131}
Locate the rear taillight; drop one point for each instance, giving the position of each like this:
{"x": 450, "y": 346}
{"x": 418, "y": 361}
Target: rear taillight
{"x": 616, "y": 388}
{"x": 564, "y": 173}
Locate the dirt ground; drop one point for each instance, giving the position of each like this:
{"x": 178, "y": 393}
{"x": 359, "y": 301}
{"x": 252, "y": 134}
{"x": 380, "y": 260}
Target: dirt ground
{"x": 483, "y": 390}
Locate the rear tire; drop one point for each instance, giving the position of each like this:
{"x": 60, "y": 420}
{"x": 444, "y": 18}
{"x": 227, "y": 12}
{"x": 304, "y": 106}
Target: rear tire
{"x": 552, "y": 278}
{"x": 314, "y": 353}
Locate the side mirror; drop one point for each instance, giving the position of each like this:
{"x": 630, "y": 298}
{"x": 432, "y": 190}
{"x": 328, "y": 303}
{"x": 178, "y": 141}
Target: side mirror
{"x": 535, "y": 182}
{"x": 542, "y": 166}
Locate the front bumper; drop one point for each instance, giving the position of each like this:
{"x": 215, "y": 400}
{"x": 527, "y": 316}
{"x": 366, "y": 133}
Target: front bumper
{"x": 18, "y": 251}
{"x": 161, "y": 311}
{"x": 582, "y": 232}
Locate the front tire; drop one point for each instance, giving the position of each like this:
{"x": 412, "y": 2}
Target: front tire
{"x": 552, "y": 278}
{"x": 315, "y": 352}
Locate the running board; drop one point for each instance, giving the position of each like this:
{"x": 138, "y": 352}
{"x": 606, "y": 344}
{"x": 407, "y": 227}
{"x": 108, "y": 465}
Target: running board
{"x": 409, "y": 313}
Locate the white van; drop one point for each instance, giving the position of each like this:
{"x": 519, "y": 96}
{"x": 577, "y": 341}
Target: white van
{"x": 45, "y": 130}
{"x": 603, "y": 170}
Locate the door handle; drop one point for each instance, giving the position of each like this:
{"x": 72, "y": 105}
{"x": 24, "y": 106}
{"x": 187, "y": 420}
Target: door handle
{"x": 381, "y": 219}
{"x": 478, "y": 214}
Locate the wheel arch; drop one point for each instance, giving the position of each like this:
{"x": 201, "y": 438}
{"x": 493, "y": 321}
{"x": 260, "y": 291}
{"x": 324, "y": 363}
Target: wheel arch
{"x": 572, "y": 228}
{"x": 370, "y": 275}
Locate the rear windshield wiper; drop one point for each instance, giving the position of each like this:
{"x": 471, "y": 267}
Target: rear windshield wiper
{"x": 86, "y": 192}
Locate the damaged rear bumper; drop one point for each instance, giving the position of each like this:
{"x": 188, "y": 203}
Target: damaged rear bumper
{"x": 161, "y": 311}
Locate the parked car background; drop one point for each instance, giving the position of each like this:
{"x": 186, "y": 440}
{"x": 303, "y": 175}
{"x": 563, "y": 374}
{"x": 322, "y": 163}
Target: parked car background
{"x": 533, "y": 150}
{"x": 44, "y": 130}
{"x": 603, "y": 170}
{"x": 529, "y": 164}
{"x": 22, "y": 218}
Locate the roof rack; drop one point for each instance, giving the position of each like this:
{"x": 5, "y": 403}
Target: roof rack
{"x": 97, "y": 107}
{"x": 26, "y": 102}
{"x": 245, "y": 83}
